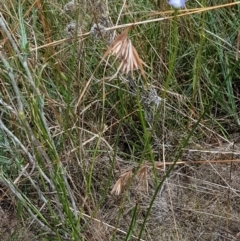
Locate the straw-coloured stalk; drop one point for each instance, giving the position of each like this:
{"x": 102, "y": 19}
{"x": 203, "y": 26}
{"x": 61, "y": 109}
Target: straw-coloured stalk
{"x": 123, "y": 49}
{"x": 238, "y": 45}
{"x": 142, "y": 174}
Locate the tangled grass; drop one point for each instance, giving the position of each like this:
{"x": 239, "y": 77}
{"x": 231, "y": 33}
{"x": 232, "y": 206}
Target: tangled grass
{"x": 119, "y": 121}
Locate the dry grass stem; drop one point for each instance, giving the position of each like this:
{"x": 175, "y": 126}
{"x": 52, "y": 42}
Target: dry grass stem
{"x": 238, "y": 45}
{"x": 143, "y": 175}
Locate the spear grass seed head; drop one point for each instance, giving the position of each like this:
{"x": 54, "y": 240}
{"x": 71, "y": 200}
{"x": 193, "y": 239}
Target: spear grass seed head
{"x": 177, "y": 3}
{"x": 123, "y": 49}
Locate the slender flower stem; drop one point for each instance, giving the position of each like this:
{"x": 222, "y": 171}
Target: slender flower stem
{"x": 173, "y": 51}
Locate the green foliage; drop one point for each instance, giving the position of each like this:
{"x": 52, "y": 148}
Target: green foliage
{"x": 60, "y": 157}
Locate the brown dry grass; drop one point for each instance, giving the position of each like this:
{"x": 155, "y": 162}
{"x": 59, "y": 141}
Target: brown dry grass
{"x": 123, "y": 49}
{"x": 198, "y": 201}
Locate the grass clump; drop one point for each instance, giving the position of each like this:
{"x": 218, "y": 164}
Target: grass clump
{"x": 119, "y": 121}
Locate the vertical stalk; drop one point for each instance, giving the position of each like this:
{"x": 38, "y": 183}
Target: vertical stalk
{"x": 197, "y": 64}
{"x": 173, "y": 50}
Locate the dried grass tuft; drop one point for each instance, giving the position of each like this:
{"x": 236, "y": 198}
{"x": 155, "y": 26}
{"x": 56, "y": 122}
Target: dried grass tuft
{"x": 124, "y": 50}
{"x": 142, "y": 175}
{"x": 122, "y": 182}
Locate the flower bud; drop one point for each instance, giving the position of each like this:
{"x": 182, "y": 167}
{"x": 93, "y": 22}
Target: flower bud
{"x": 177, "y": 3}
